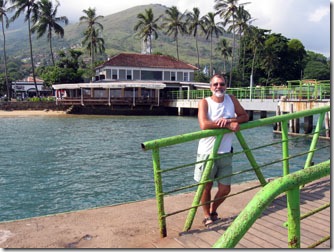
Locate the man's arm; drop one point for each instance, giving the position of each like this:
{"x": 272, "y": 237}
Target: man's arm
{"x": 242, "y": 115}
{"x": 233, "y": 123}
{"x": 203, "y": 120}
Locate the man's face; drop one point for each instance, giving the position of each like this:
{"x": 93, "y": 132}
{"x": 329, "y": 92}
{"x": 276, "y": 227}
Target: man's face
{"x": 218, "y": 87}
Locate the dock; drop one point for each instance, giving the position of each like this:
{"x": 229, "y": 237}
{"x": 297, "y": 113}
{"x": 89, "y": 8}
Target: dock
{"x": 135, "y": 224}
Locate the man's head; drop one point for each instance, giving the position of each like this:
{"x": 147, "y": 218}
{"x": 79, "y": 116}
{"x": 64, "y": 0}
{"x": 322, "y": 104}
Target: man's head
{"x": 218, "y": 85}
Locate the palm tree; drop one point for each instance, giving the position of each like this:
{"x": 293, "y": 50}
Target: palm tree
{"x": 227, "y": 10}
{"x": 212, "y": 28}
{"x": 147, "y": 27}
{"x": 94, "y": 42}
{"x": 91, "y": 35}
{"x": 257, "y": 40}
{"x": 242, "y": 20}
{"x": 225, "y": 50}
{"x": 48, "y": 22}
{"x": 175, "y": 24}
{"x": 194, "y": 24}
{"x": 30, "y": 7}
{"x": 5, "y": 23}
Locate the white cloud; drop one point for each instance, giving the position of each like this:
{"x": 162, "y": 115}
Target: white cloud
{"x": 319, "y": 14}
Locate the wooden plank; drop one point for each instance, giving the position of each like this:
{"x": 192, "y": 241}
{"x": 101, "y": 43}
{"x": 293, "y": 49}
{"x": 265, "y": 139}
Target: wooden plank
{"x": 268, "y": 231}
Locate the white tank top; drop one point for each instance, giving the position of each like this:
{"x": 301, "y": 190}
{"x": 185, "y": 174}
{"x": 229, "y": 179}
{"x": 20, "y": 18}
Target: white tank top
{"x": 216, "y": 110}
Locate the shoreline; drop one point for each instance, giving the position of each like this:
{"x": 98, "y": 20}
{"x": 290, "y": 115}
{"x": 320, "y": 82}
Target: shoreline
{"x": 27, "y": 113}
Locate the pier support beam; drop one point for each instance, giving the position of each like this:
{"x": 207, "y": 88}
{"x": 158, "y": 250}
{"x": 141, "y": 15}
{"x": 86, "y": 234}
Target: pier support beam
{"x": 327, "y": 124}
{"x": 250, "y": 114}
{"x": 263, "y": 114}
{"x": 308, "y": 124}
{"x": 179, "y": 111}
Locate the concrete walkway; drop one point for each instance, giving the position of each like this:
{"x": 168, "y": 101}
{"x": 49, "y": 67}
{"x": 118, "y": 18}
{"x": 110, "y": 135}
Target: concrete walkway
{"x": 132, "y": 225}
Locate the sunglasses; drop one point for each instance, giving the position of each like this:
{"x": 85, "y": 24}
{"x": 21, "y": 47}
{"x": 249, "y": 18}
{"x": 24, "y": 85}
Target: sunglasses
{"x": 222, "y": 84}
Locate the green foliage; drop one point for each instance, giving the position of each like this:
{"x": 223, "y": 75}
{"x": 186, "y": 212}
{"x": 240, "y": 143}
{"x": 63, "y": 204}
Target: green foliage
{"x": 201, "y": 77}
{"x": 69, "y": 69}
{"x": 42, "y": 99}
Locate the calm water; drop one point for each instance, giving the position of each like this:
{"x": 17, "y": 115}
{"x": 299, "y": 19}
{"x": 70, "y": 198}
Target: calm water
{"x": 50, "y": 165}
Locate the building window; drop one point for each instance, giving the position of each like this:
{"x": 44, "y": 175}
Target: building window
{"x": 172, "y": 76}
{"x": 151, "y": 75}
{"x": 186, "y": 76}
{"x": 114, "y": 74}
{"x": 128, "y": 74}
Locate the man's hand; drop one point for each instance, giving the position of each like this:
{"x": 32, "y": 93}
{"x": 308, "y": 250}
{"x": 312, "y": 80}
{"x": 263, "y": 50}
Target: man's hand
{"x": 234, "y": 126}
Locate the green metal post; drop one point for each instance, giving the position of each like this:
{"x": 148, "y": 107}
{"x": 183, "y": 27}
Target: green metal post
{"x": 159, "y": 192}
{"x": 251, "y": 158}
{"x": 199, "y": 192}
{"x": 285, "y": 147}
{"x": 263, "y": 198}
{"x": 315, "y": 140}
{"x": 293, "y": 197}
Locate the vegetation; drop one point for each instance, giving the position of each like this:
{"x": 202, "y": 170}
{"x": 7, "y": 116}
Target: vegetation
{"x": 224, "y": 39}
{"x": 147, "y": 27}
{"x": 4, "y": 23}
{"x": 92, "y": 37}
{"x": 47, "y": 22}
{"x": 30, "y": 8}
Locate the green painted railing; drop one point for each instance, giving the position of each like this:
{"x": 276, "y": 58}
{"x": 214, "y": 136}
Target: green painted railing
{"x": 294, "y": 90}
{"x": 253, "y": 210}
{"x": 156, "y": 145}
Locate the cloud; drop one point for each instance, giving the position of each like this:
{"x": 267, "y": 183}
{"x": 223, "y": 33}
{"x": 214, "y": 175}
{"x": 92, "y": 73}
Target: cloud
{"x": 319, "y": 14}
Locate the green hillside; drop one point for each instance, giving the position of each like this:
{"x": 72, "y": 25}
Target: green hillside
{"x": 118, "y": 34}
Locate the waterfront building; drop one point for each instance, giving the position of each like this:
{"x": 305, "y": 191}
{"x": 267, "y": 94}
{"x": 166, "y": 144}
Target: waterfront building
{"x": 25, "y": 88}
{"x": 130, "y": 79}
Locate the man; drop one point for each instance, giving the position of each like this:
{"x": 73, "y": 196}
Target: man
{"x": 218, "y": 111}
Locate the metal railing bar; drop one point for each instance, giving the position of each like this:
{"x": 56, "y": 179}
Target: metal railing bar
{"x": 324, "y": 239}
{"x": 187, "y": 137}
{"x": 228, "y": 196}
{"x": 264, "y": 197}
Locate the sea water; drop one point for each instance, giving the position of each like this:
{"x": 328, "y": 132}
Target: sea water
{"x": 58, "y": 164}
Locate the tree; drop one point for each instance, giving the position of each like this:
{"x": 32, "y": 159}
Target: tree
{"x": 242, "y": 20}
{"x": 67, "y": 70}
{"x": 212, "y": 28}
{"x": 147, "y": 27}
{"x": 254, "y": 39}
{"x": 174, "y": 22}
{"x": 275, "y": 57}
{"x": 227, "y": 10}
{"x": 48, "y": 22}
{"x": 317, "y": 67}
{"x": 297, "y": 55}
{"x": 30, "y": 7}
{"x": 5, "y": 23}
{"x": 91, "y": 35}
{"x": 225, "y": 50}
{"x": 195, "y": 23}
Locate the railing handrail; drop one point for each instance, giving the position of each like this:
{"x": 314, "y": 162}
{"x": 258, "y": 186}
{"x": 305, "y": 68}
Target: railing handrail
{"x": 155, "y": 146}
{"x": 164, "y": 142}
{"x": 318, "y": 90}
{"x": 264, "y": 197}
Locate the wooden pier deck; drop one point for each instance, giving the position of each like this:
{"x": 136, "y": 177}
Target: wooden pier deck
{"x": 268, "y": 231}
{"x": 135, "y": 225}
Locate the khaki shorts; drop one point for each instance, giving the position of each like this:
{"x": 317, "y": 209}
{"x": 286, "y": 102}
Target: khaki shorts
{"x": 221, "y": 167}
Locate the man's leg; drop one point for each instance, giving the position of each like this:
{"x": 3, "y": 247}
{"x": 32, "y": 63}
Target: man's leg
{"x": 223, "y": 190}
{"x": 206, "y": 196}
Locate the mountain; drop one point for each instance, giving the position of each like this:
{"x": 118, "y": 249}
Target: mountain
{"x": 118, "y": 34}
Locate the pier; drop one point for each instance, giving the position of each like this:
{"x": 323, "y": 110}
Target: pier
{"x": 135, "y": 225}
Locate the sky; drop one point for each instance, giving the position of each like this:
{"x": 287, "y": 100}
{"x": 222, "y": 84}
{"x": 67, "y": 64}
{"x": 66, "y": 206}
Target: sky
{"x": 306, "y": 20}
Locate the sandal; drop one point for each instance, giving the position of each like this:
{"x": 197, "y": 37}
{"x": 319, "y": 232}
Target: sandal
{"x": 207, "y": 221}
{"x": 214, "y": 216}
